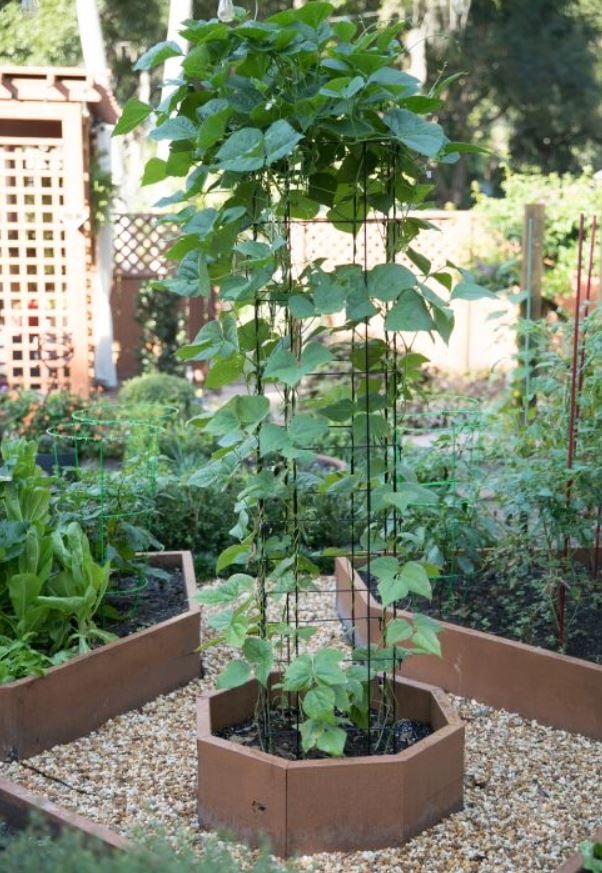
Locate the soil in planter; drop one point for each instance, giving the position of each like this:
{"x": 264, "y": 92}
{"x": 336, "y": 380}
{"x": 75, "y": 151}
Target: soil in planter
{"x": 136, "y": 604}
{"x": 522, "y": 612}
{"x": 286, "y": 740}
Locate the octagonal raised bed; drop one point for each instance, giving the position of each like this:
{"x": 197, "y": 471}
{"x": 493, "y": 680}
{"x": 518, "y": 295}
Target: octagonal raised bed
{"x": 78, "y": 696}
{"x": 329, "y": 805}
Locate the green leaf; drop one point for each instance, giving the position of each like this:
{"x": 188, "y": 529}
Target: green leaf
{"x": 307, "y": 430}
{"x": 226, "y": 592}
{"x": 280, "y": 141}
{"x": 326, "y": 667}
{"x": 301, "y": 306}
{"x": 134, "y": 113}
{"x": 283, "y": 365}
{"x": 471, "y": 291}
{"x": 410, "y": 494}
{"x": 387, "y": 281}
{"x": 425, "y": 637}
{"x": 398, "y": 631}
{"x": 235, "y": 554}
{"x": 212, "y": 129}
{"x": 243, "y": 151}
{"x": 174, "y": 129}
{"x": 157, "y": 55}
{"x": 225, "y": 371}
{"x": 154, "y": 171}
{"x": 392, "y": 589}
{"x": 416, "y": 578}
{"x": 425, "y": 137}
{"x": 319, "y": 703}
{"x": 259, "y": 653}
{"x": 410, "y": 313}
{"x": 328, "y": 296}
{"x": 236, "y": 673}
{"x": 332, "y": 741}
{"x": 298, "y": 675}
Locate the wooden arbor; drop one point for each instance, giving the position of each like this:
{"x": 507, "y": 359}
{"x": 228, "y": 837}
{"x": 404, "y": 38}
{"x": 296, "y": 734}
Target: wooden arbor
{"x": 46, "y": 121}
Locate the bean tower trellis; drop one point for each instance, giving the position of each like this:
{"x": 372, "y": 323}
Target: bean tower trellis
{"x": 326, "y": 150}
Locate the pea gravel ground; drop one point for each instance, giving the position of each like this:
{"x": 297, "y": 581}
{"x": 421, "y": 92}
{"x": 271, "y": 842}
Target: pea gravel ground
{"x": 531, "y": 793}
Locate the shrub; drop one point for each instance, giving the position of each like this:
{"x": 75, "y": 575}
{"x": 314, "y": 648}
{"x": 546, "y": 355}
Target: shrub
{"x": 31, "y": 851}
{"x": 25, "y": 413}
{"x": 160, "y": 388}
{"x": 565, "y": 197}
{"x": 162, "y": 326}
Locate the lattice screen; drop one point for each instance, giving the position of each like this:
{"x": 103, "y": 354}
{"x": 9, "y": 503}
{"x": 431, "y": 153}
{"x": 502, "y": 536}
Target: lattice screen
{"x": 450, "y": 239}
{"x": 140, "y": 243}
{"x": 36, "y": 345}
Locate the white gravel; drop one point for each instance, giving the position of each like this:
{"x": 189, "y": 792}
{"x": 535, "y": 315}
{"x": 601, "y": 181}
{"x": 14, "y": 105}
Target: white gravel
{"x": 532, "y": 793}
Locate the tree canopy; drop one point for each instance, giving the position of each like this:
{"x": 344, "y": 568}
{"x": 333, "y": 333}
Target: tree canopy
{"x": 529, "y": 88}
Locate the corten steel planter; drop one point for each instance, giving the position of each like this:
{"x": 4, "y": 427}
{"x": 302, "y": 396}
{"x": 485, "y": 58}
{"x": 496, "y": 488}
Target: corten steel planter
{"x": 556, "y": 690}
{"x": 18, "y": 807}
{"x": 78, "y": 696}
{"x": 329, "y": 805}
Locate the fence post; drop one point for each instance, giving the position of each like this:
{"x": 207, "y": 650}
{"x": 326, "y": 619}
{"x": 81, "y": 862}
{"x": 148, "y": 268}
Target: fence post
{"x": 532, "y": 259}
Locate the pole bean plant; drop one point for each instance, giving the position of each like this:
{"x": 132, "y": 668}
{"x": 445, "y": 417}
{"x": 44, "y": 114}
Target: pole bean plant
{"x": 275, "y": 126}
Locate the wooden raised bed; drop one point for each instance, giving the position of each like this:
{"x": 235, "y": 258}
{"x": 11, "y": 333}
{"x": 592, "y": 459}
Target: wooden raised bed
{"x": 556, "y": 690}
{"x": 333, "y": 804}
{"x": 77, "y": 697}
{"x": 18, "y": 806}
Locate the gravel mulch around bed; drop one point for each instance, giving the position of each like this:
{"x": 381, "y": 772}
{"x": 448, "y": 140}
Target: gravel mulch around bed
{"x": 531, "y": 793}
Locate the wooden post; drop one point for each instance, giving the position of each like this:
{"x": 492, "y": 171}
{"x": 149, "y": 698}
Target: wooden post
{"x": 532, "y": 259}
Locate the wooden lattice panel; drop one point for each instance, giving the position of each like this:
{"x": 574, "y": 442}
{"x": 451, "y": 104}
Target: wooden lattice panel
{"x": 140, "y": 243}
{"x": 448, "y": 241}
{"x": 37, "y": 344}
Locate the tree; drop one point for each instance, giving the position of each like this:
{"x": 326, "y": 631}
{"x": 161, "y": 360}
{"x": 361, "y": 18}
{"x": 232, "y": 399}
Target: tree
{"x": 531, "y": 74}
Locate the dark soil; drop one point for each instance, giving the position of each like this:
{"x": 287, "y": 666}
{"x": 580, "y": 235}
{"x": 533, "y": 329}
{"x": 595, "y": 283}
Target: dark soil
{"x": 286, "y": 739}
{"x": 521, "y": 610}
{"x": 138, "y": 603}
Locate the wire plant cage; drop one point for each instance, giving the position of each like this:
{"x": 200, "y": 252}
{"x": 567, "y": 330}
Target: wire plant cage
{"x": 106, "y": 462}
{"x": 305, "y": 330}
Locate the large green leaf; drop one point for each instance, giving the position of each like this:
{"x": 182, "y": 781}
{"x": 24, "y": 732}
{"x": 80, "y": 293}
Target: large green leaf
{"x": 280, "y": 141}
{"x": 259, "y": 653}
{"x": 298, "y": 675}
{"x": 157, "y": 55}
{"x": 327, "y": 667}
{"x": 410, "y": 313}
{"x": 307, "y": 430}
{"x": 319, "y": 703}
{"x": 236, "y": 673}
{"x": 235, "y": 554}
{"x": 425, "y": 137}
{"x": 225, "y": 371}
{"x": 134, "y": 113}
{"x": 243, "y": 151}
{"x": 471, "y": 291}
{"x": 387, "y": 281}
{"x": 191, "y": 279}
{"x": 174, "y": 129}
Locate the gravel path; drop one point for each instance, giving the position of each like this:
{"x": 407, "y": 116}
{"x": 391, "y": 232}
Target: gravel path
{"x": 531, "y": 792}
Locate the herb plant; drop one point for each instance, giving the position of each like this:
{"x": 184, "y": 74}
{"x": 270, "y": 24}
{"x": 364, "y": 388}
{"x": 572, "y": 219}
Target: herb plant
{"x": 275, "y": 123}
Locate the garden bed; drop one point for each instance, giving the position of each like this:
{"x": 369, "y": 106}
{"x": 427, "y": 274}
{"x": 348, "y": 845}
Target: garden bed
{"x": 363, "y": 802}
{"x": 555, "y": 689}
{"x": 76, "y": 697}
{"x": 531, "y": 793}
{"x": 20, "y": 808}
